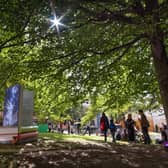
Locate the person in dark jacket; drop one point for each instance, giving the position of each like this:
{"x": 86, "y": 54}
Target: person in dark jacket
{"x": 144, "y": 126}
{"x": 104, "y": 125}
{"x": 113, "y": 130}
{"x": 130, "y": 124}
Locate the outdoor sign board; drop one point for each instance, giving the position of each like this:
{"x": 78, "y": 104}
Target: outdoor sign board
{"x": 18, "y": 116}
{"x": 11, "y": 106}
{"x": 26, "y": 116}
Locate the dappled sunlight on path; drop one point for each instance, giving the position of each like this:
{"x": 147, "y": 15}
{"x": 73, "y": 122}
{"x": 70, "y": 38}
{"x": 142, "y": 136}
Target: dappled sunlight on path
{"x": 80, "y": 153}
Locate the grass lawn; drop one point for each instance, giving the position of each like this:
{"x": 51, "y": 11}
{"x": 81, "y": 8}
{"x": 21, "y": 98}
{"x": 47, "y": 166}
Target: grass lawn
{"x": 76, "y": 138}
{"x": 65, "y": 137}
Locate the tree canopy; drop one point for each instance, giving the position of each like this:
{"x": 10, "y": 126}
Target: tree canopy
{"x": 104, "y": 52}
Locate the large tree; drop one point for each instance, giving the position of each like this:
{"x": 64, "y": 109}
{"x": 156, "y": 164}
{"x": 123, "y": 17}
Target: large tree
{"x": 140, "y": 20}
{"x": 108, "y": 48}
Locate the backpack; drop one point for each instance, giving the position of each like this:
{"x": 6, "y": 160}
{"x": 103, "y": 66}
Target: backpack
{"x": 112, "y": 127}
{"x": 102, "y": 126}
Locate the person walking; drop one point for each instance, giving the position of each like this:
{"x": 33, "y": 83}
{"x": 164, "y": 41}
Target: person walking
{"x": 130, "y": 124}
{"x": 87, "y": 129}
{"x": 144, "y": 126}
{"x": 113, "y": 130}
{"x": 104, "y": 125}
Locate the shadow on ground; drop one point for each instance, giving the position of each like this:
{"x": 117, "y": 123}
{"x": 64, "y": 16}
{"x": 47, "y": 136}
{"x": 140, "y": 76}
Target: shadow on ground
{"x": 83, "y": 154}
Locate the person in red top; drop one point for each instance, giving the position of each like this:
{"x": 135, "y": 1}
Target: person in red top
{"x": 104, "y": 125}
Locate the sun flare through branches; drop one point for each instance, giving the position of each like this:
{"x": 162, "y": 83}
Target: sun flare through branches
{"x": 56, "y": 22}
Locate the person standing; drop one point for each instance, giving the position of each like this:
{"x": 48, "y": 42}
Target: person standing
{"x": 49, "y": 127}
{"x": 144, "y": 126}
{"x": 130, "y": 124}
{"x": 113, "y": 130}
{"x": 78, "y": 126}
{"x": 156, "y": 128}
{"x": 104, "y": 125}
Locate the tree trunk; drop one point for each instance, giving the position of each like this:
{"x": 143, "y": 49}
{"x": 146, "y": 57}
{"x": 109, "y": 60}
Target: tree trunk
{"x": 160, "y": 60}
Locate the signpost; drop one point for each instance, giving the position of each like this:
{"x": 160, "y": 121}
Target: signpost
{"x": 18, "y": 116}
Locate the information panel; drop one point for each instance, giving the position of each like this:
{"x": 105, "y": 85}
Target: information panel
{"x": 26, "y": 115}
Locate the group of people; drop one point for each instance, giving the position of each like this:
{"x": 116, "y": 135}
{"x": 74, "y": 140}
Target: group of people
{"x": 130, "y": 127}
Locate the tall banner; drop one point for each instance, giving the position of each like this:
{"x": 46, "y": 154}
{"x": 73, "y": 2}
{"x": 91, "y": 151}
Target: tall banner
{"x": 11, "y": 106}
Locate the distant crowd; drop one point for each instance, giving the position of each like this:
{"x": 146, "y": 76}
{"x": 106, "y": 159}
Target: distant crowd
{"x": 129, "y": 132}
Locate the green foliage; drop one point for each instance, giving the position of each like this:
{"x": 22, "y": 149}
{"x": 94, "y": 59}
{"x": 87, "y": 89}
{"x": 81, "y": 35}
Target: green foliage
{"x": 103, "y": 54}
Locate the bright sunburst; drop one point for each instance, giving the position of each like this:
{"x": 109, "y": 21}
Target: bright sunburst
{"x": 56, "y": 22}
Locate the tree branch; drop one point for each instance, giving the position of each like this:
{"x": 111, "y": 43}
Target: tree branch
{"x": 107, "y": 15}
{"x": 139, "y": 9}
{"x": 16, "y": 44}
{"x": 20, "y": 33}
{"x": 119, "y": 47}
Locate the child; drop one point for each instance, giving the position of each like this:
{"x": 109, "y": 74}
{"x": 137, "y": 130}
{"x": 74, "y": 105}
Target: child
{"x": 112, "y": 129}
